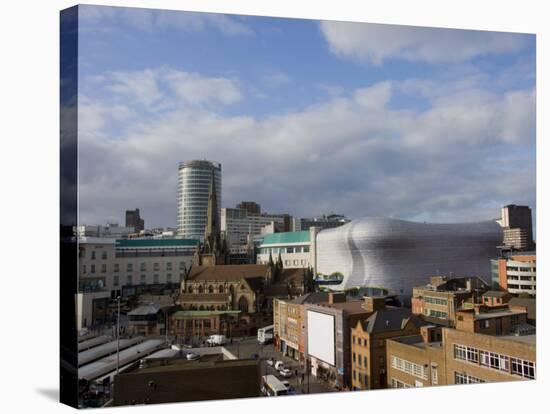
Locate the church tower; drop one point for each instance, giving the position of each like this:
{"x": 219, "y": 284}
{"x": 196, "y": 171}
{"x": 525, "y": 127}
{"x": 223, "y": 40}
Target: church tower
{"x": 214, "y": 250}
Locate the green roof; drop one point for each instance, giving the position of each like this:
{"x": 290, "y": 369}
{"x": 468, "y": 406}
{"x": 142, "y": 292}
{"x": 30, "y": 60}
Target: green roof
{"x": 155, "y": 242}
{"x": 205, "y": 312}
{"x": 292, "y": 237}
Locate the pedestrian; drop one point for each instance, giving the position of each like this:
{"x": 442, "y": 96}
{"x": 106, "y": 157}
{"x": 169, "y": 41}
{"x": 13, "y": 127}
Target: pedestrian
{"x": 296, "y": 372}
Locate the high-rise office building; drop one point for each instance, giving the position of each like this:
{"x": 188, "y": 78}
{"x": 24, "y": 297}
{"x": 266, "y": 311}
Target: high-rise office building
{"x": 517, "y": 227}
{"x": 133, "y": 219}
{"x": 194, "y": 181}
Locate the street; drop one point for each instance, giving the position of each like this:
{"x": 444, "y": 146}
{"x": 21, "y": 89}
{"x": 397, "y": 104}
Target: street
{"x": 248, "y": 346}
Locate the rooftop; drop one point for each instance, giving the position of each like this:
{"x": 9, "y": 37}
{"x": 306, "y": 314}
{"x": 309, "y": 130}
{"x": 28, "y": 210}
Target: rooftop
{"x": 177, "y": 364}
{"x": 204, "y": 313}
{"x": 389, "y": 319}
{"x": 150, "y": 309}
{"x": 226, "y": 272}
{"x": 292, "y": 237}
{"x": 137, "y": 243}
{"x": 495, "y": 293}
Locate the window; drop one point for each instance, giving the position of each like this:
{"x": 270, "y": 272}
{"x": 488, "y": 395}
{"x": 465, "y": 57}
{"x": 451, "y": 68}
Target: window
{"x": 116, "y": 268}
{"x": 143, "y": 266}
{"x": 495, "y": 361}
{"x": 290, "y": 249}
{"x": 399, "y": 384}
{"x": 354, "y": 358}
{"x": 83, "y": 268}
{"x": 353, "y": 339}
{"x": 364, "y": 342}
{"x": 104, "y": 268}
{"x": 435, "y": 301}
{"x": 155, "y": 278}
{"x": 182, "y": 265}
{"x": 365, "y": 361}
{"x": 168, "y": 265}
{"x": 92, "y": 268}
{"x": 409, "y": 367}
{"x": 295, "y": 262}
{"x": 354, "y": 375}
{"x": 306, "y": 249}
{"x": 436, "y": 314}
{"x": 523, "y": 368}
{"x": 169, "y": 278}
{"x": 115, "y": 281}
{"x": 129, "y": 280}
{"x": 143, "y": 280}
{"x": 466, "y": 353}
{"x": 129, "y": 267}
{"x": 463, "y": 378}
{"x": 93, "y": 254}
{"x": 434, "y": 375}
{"x": 104, "y": 255}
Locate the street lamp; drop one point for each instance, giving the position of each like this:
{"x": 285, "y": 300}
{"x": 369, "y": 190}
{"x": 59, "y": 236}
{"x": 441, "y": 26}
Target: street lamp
{"x": 118, "y": 334}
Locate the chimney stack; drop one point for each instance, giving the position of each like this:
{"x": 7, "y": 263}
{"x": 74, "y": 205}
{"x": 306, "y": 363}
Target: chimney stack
{"x": 336, "y": 297}
{"x": 374, "y": 303}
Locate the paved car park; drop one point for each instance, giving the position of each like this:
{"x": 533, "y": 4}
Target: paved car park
{"x": 249, "y": 347}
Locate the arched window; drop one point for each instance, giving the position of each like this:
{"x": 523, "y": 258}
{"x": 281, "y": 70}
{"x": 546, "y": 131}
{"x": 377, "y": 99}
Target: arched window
{"x": 243, "y": 304}
{"x": 201, "y": 289}
{"x": 210, "y": 289}
{"x": 190, "y": 289}
{"x": 220, "y": 289}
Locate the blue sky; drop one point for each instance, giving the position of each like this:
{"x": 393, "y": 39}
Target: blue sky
{"x": 306, "y": 117}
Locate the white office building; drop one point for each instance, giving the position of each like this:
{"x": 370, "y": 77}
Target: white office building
{"x": 194, "y": 182}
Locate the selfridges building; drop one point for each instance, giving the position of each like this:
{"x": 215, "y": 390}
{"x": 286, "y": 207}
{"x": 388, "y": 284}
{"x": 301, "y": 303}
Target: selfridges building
{"x": 398, "y": 255}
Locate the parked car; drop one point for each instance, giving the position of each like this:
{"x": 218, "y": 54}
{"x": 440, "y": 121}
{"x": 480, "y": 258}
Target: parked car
{"x": 285, "y": 372}
{"x": 279, "y": 365}
{"x": 191, "y": 356}
{"x": 270, "y": 362}
{"x": 286, "y": 383}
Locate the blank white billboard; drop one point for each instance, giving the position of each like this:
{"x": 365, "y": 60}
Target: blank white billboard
{"x": 320, "y": 336}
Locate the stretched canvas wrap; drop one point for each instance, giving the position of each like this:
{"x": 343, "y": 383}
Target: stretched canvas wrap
{"x": 257, "y": 206}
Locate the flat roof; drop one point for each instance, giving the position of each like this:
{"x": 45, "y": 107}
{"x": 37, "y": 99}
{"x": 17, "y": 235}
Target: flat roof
{"x": 290, "y": 237}
{"x": 497, "y": 314}
{"x": 528, "y": 339}
{"x": 140, "y": 243}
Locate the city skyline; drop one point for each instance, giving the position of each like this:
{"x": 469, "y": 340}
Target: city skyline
{"x": 357, "y": 119}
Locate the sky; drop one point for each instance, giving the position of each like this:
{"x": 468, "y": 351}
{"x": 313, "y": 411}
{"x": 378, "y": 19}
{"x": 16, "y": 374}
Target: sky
{"x": 306, "y": 117}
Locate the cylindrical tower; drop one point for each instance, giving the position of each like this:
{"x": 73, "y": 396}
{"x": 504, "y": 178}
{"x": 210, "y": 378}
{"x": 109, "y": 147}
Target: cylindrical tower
{"x": 194, "y": 181}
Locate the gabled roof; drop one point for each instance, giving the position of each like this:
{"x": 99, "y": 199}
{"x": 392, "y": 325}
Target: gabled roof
{"x": 495, "y": 293}
{"x": 292, "y": 276}
{"x": 226, "y": 272}
{"x": 390, "y": 319}
{"x": 204, "y": 297}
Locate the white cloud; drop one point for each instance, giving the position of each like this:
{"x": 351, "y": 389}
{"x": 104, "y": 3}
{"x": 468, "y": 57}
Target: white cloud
{"x": 356, "y": 155}
{"x": 374, "y": 43}
{"x": 147, "y": 20}
{"x": 164, "y": 89}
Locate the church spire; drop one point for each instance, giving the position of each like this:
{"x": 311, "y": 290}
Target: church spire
{"x": 212, "y": 229}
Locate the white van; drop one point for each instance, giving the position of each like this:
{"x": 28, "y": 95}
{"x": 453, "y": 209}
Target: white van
{"x": 216, "y": 340}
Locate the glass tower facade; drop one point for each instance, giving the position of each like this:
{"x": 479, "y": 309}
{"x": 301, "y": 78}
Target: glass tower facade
{"x": 194, "y": 178}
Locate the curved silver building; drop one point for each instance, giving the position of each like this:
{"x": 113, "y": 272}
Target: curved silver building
{"x": 194, "y": 179}
{"x": 398, "y": 255}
